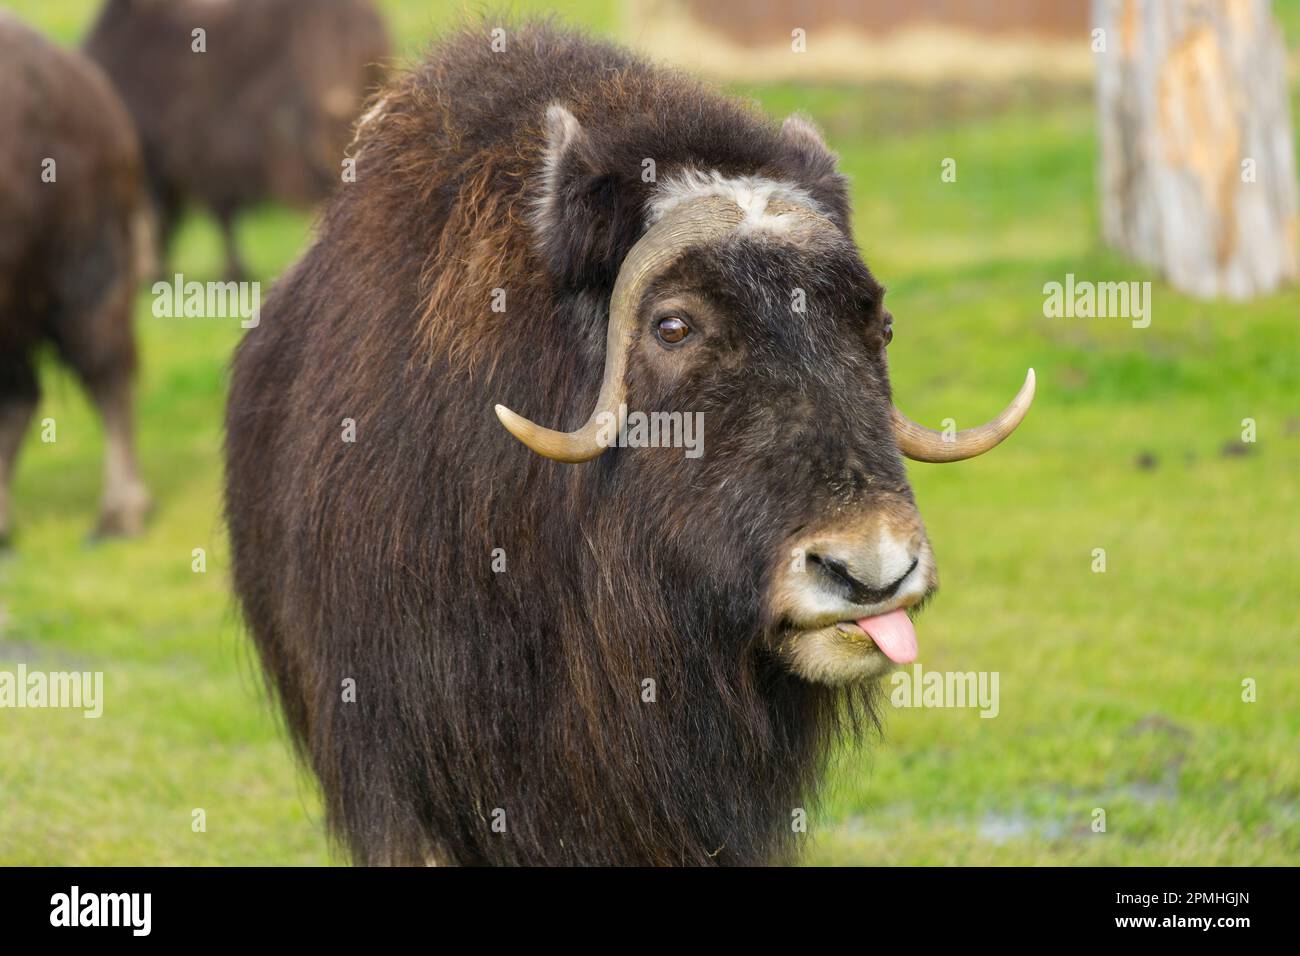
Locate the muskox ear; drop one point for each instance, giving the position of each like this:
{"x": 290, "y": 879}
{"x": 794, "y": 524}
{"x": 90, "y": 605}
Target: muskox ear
{"x": 815, "y": 166}
{"x": 565, "y": 141}
{"x": 585, "y": 217}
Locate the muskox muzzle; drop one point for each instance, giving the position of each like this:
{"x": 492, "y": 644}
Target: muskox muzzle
{"x": 842, "y": 597}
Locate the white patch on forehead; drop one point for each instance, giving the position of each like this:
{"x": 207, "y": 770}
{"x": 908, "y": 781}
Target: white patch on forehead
{"x": 751, "y": 193}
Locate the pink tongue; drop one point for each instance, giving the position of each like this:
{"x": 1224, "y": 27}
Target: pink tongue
{"x": 893, "y": 634}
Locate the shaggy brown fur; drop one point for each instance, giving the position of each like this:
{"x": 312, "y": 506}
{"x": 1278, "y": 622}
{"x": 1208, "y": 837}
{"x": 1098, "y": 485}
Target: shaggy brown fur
{"x": 264, "y": 113}
{"x": 371, "y": 561}
{"x": 68, "y": 250}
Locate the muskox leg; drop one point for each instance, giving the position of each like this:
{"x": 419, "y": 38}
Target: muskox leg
{"x": 100, "y": 349}
{"x": 235, "y": 271}
{"x": 19, "y": 395}
{"x": 126, "y": 501}
{"x": 94, "y": 337}
{"x": 167, "y": 216}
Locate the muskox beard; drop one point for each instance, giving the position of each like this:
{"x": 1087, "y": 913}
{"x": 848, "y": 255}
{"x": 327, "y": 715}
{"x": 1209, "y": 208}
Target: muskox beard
{"x": 603, "y": 722}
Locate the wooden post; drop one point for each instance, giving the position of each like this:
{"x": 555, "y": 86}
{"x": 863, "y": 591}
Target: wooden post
{"x": 1198, "y": 175}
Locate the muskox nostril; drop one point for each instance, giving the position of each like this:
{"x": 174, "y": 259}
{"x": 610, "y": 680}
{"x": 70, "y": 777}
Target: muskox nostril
{"x": 835, "y": 570}
{"x": 858, "y": 588}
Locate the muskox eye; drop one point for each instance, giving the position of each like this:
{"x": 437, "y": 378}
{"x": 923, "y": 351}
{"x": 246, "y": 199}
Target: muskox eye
{"x": 671, "y": 330}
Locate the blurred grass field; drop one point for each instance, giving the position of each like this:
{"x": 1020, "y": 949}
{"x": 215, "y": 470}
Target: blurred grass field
{"x": 1119, "y": 690}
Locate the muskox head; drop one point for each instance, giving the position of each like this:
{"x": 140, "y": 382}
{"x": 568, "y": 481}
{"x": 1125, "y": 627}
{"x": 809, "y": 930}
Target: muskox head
{"x": 745, "y": 301}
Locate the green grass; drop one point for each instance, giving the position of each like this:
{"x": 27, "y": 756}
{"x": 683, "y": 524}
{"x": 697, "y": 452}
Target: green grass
{"x": 1119, "y": 691}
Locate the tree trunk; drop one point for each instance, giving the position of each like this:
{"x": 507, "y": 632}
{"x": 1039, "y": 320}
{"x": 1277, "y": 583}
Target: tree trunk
{"x": 1197, "y": 163}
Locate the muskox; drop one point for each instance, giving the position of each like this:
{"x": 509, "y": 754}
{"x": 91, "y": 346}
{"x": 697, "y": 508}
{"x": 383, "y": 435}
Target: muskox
{"x": 564, "y": 649}
{"x": 76, "y": 235}
{"x": 259, "y": 105}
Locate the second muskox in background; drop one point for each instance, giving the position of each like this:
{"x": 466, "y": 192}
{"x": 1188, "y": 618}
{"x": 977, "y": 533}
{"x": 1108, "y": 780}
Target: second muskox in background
{"x": 263, "y": 111}
{"x": 74, "y": 238}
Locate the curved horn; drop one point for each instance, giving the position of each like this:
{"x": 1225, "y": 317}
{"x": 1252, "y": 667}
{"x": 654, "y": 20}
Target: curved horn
{"x": 925, "y": 444}
{"x": 684, "y": 225}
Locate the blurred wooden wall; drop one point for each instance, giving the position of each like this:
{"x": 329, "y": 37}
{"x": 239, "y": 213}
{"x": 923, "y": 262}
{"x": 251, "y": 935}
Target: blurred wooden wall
{"x": 919, "y": 40}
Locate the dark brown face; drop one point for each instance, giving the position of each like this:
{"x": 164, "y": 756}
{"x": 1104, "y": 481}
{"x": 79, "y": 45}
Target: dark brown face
{"x": 796, "y": 515}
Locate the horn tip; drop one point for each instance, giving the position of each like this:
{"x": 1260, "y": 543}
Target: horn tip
{"x": 513, "y": 422}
